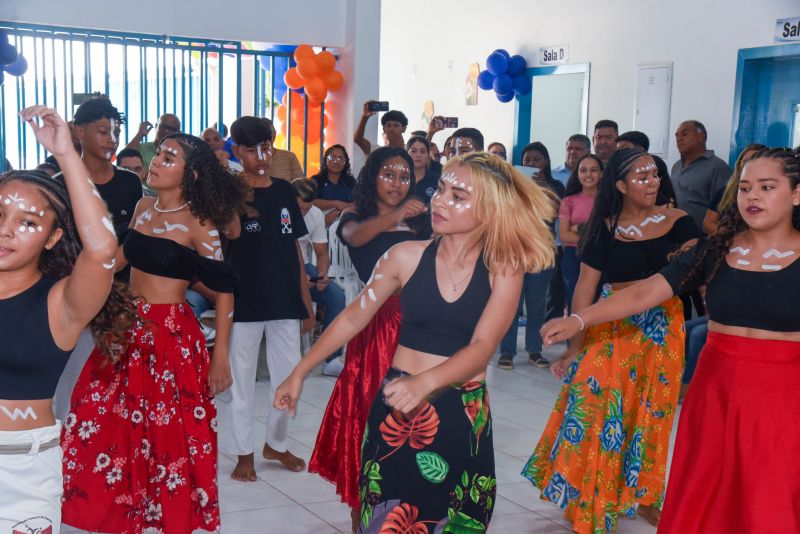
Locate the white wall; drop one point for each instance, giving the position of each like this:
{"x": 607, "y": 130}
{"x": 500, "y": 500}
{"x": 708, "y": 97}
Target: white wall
{"x": 321, "y": 22}
{"x": 701, "y": 37}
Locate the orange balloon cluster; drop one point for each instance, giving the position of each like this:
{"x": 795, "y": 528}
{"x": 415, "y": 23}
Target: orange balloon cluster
{"x": 316, "y": 121}
{"x": 316, "y": 73}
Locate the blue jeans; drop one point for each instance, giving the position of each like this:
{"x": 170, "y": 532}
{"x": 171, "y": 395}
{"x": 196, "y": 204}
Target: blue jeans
{"x": 570, "y": 270}
{"x": 534, "y": 289}
{"x": 198, "y": 302}
{"x": 696, "y": 334}
{"x": 332, "y": 297}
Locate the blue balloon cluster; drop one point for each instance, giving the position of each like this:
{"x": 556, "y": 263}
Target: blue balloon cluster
{"x": 11, "y": 61}
{"x": 505, "y": 75}
{"x": 282, "y": 64}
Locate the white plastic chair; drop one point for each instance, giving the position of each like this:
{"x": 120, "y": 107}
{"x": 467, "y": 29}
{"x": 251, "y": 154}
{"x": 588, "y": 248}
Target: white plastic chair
{"x": 342, "y": 270}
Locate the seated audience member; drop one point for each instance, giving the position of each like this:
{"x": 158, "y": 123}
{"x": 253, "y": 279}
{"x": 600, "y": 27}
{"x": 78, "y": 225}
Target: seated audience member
{"x": 228, "y": 143}
{"x": 217, "y": 144}
{"x": 426, "y": 172}
{"x": 131, "y": 160}
{"x": 727, "y": 196}
{"x": 285, "y": 164}
{"x": 466, "y": 140}
{"x": 633, "y": 139}
{"x": 394, "y": 125}
{"x": 323, "y": 290}
{"x": 335, "y": 184}
{"x": 499, "y": 150}
{"x": 435, "y": 154}
{"x": 168, "y": 123}
{"x": 578, "y": 145}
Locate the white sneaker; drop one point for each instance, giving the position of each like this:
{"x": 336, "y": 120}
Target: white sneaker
{"x": 209, "y": 334}
{"x": 333, "y": 367}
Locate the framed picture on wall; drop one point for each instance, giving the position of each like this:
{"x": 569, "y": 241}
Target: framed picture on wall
{"x": 471, "y": 85}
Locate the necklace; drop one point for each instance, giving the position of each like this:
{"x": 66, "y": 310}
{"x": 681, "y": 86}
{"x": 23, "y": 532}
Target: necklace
{"x": 453, "y": 282}
{"x": 161, "y": 210}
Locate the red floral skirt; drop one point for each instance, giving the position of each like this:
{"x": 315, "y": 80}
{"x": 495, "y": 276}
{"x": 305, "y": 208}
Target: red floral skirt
{"x": 140, "y": 441}
{"x": 735, "y": 466}
{"x": 337, "y": 453}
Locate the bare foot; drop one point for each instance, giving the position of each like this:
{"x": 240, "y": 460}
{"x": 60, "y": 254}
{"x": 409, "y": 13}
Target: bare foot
{"x": 355, "y": 518}
{"x": 245, "y": 470}
{"x": 287, "y": 459}
{"x": 651, "y": 514}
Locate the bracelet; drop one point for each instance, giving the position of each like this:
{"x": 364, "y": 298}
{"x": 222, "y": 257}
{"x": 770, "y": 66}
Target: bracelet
{"x": 578, "y": 317}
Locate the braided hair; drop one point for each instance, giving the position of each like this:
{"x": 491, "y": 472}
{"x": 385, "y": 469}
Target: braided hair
{"x": 212, "y": 191}
{"x": 731, "y": 222}
{"x": 111, "y": 325}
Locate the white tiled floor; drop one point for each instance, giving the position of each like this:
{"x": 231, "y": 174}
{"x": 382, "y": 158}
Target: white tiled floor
{"x": 281, "y": 502}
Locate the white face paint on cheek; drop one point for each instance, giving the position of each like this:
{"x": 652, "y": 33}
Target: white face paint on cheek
{"x": 109, "y": 155}
{"x": 261, "y": 172}
{"x": 113, "y": 126}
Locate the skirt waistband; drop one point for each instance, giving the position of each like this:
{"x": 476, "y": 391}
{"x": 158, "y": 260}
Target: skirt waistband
{"x": 760, "y": 351}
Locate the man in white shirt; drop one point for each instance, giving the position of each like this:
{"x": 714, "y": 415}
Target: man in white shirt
{"x": 323, "y": 291}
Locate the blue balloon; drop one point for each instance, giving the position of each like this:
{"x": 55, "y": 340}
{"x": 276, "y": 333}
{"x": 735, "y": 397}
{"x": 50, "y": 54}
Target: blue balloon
{"x": 503, "y": 52}
{"x": 503, "y": 85}
{"x": 19, "y": 67}
{"x": 485, "y": 80}
{"x": 2, "y": 76}
{"x": 8, "y": 54}
{"x": 516, "y": 65}
{"x": 522, "y": 85}
{"x": 497, "y": 63}
{"x": 505, "y": 98}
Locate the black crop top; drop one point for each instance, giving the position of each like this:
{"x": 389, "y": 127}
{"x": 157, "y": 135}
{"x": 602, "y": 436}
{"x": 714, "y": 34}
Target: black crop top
{"x": 30, "y": 361}
{"x": 366, "y": 256}
{"x": 750, "y": 299}
{"x": 430, "y": 323}
{"x": 164, "y": 257}
{"x": 628, "y": 261}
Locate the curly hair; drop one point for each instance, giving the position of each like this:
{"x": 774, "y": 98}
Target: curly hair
{"x": 574, "y": 184}
{"x": 365, "y": 194}
{"x": 213, "y": 192}
{"x": 608, "y": 203}
{"x": 346, "y": 177}
{"x": 731, "y": 222}
{"x": 111, "y": 325}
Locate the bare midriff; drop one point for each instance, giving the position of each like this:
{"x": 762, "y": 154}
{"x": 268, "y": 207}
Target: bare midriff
{"x": 158, "y": 289}
{"x": 753, "y": 333}
{"x": 26, "y": 414}
{"x": 415, "y": 362}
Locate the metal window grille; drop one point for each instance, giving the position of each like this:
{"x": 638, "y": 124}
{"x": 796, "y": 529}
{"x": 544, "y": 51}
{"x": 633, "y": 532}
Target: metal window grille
{"x": 202, "y": 81}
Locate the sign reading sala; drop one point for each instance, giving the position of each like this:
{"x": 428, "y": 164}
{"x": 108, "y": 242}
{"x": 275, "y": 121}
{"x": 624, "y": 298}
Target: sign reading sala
{"x": 787, "y": 29}
{"x": 554, "y": 55}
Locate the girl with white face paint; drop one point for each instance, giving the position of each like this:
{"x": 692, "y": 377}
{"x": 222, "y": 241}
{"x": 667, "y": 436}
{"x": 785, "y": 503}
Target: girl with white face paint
{"x": 50, "y": 290}
{"x": 733, "y": 423}
{"x": 151, "y": 411}
{"x": 459, "y": 295}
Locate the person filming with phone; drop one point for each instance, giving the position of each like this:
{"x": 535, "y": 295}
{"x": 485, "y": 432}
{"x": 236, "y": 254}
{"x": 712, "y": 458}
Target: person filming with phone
{"x": 393, "y": 122}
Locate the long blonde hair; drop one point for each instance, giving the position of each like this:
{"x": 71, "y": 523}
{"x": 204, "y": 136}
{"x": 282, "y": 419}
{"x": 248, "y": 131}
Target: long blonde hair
{"x": 513, "y": 213}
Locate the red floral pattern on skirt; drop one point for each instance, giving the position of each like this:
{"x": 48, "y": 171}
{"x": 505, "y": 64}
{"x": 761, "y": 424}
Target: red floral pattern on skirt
{"x": 140, "y": 441}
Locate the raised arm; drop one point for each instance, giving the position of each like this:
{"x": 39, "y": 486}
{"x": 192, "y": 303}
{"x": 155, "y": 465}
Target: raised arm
{"x": 359, "y": 233}
{"x": 144, "y": 129}
{"x": 385, "y": 281}
{"x": 358, "y": 137}
{"x": 406, "y": 393}
{"x": 75, "y": 300}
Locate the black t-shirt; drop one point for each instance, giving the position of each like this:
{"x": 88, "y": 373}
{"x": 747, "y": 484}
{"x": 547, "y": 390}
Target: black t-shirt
{"x": 265, "y": 257}
{"x": 427, "y": 185}
{"x": 628, "y": 261}
{"x": 121, "y": 194}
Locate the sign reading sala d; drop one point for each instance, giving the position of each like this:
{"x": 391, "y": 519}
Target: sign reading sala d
{"x": 787, "y": 29}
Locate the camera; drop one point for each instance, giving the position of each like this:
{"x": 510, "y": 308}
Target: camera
{"x": 378, "y": 105}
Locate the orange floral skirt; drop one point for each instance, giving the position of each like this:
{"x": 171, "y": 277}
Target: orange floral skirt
{"x": 604, "y": 449}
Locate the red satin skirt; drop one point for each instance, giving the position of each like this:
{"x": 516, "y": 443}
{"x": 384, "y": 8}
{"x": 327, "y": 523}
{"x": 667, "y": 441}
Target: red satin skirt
{"x": 337, "y": 453}
{"x": 736, "y": 466}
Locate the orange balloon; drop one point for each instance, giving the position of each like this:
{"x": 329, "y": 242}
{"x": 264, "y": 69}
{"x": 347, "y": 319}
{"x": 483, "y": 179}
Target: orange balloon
{"x": 302, "y": 52}
{"x": 292, "y": 79}
{"x": 326, "y": 62}
{"x": 283, "y": 129}
{"x": 313, "y": 135}
{"x": 334, "y": 81}
{"x": 307, "y": 68}
{"x": 315, "y": 90}
{"x": 281, "y": 113}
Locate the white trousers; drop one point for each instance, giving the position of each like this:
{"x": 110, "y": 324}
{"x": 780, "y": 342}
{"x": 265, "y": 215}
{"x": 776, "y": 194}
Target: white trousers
{"x": 30, "y": 484}
{"x": 77, "y": 359}
{"x": 283, "y": 353}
